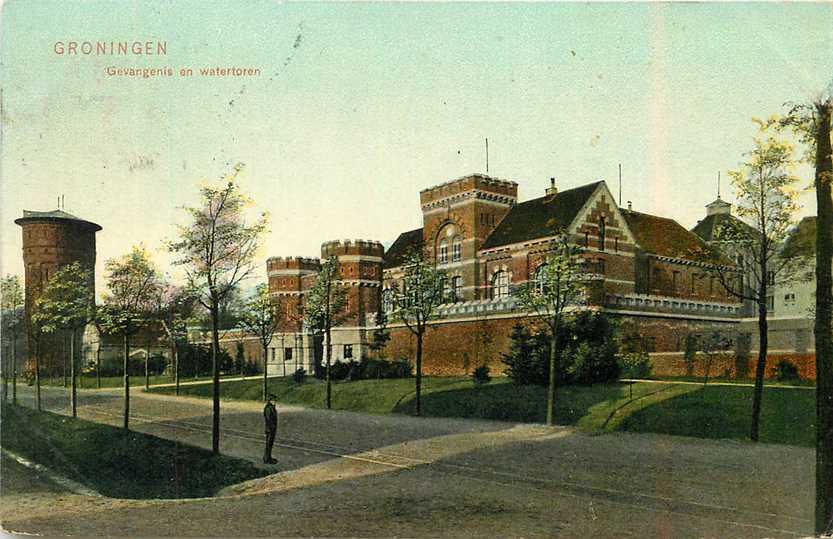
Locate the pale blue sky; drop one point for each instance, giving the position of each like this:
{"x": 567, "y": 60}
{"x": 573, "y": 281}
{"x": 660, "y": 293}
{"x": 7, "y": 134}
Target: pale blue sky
{"x": 378, "y": 101}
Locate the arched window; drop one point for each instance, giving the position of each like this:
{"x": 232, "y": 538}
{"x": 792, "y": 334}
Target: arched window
{"x": 442, "y": 252}
{"x": 456, "y": 288}
{"x": 456, "y": 249}
{"x": 387, "y": 300}
{"x": 541, "y": 278}
{"x": 500, "y": 285}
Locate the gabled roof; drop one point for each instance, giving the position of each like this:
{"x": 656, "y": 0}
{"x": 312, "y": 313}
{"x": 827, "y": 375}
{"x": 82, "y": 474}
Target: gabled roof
{"x": 406, "y": 242}
{"x": 540, "y": 217}
{"x": 54, "y": 215}
{"x": 666, "y": 237}
{"x": 708, "y": 227}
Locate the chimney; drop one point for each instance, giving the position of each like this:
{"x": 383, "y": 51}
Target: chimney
{"x": 630, "y": 205}
{"x": 552, "y": 190}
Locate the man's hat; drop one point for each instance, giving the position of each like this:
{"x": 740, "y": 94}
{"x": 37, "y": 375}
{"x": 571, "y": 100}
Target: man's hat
{"x": 271, "y": 396}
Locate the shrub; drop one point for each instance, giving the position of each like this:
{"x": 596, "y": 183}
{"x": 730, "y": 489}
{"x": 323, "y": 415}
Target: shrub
{"x": 340, "y": 370}
{"x": 374, "y": 369}
{"x": 114, "y": 366}
{"x": 587, "y": 355}
{"x": 635, "y": 365}
{"x": 480, "y": 376}
{"x": 299, "y": 376}
{"x": 786, "y": 371}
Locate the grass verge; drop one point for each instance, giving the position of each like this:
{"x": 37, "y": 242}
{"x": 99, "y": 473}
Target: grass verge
{"x": 118, "y": 463}
{"x": 679, "y": 409}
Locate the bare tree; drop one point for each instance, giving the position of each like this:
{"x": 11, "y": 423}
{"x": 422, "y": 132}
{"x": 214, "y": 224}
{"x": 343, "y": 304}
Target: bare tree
{"x": 766, "y": 204}
{"x": 67, "y": 304}
{"x": 415, "y": 305}
{"x": 326, "y": 302}
{"x": 262, "y": 318}
{"x": 133, "y": 286}
{"x": 556, "y": 290}
{"x": 217, "y": 250}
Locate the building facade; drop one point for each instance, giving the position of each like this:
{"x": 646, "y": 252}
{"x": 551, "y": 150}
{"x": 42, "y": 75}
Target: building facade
{"x": 650, "y": 273}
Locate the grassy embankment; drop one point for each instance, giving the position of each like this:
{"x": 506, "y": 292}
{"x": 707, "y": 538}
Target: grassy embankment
{"x": 679, "y": 409}
{"x": 118, "y": 463}
{"x": 88, "y": 381}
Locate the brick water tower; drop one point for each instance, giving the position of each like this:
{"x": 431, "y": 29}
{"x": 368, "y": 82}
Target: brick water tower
{"x": 52, "y": 240}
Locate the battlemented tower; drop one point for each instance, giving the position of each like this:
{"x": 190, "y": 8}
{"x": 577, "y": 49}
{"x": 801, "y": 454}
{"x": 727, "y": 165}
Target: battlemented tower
{"x": 52, "y": 240}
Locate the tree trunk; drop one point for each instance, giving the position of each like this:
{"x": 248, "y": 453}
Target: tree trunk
{"x": 551, "y": 387}
{"x": 64, "y": 356}
{"x": 147, "y": 367}
{"x": 418, "y": 368}
{"x": 215, "y": 377}
{"x": 73, "y": 374}
{"x": 265, "y": 365}
{"x": 760, "y": 368}
{"x": 126, "y": 380}
{"x": 824, "y": 321}
{"x": 37, "y": 373}
{"x": 327, "y": 374}
{"x": 175, "y": 361}
{"x": 98, "y": 364}
{"x": 14, "y": 369}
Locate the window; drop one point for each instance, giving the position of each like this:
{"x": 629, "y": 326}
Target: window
{"x": 674, "y": 278}
{"x": 600, "y": 266}
{"x": 387, "y": 300}
{"x": 348, "y": 351}
{"x": 456, "y": 249}
{"x": 443, "y": 252}
{"x": 770, "y": 278}
{"x": 446, "y": 288}
{"x": 602, "y": 233}
{"x": 287, "y": 354}
{"x": 456, "y": 288}
{"x": 770, "y": 303}
{"x": 273, "y": 354}
{"x": 587, "y": 239}
{"x": 541, "y": 278}
{"x": 500, "y": 285}
{"x": 616, "y": 244}
{"x": 789, "y": 297}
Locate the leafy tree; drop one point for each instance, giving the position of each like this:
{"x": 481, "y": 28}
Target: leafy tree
{"x": 766, "y": 204}
{"x": 557, "y": 289}
{"x": 381, "y": 334}
{"x": 326, "y": 303}
{"x": 67, "y": 304}
{"x": 416, "y": 304}
{"x": 130, "y": 304}
{"x": 811, "y": 122}
{"x": 262, "y": 317}
{"x": 11, "y": 296}
{"x": 176, "y": 307}
{"x": 217, "y": 250}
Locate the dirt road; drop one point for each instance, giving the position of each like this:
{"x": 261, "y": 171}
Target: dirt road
{"x": 347, "y": 474}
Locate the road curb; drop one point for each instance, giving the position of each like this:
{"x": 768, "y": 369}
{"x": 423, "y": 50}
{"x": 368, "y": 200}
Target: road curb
{"x": 65, "y": 482}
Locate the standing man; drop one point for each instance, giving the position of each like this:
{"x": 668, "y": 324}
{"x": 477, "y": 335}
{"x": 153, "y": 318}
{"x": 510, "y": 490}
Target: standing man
{"x": 270, "y": 417}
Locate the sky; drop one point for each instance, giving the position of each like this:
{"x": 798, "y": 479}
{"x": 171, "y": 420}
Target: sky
{"x": 359, "y": 106}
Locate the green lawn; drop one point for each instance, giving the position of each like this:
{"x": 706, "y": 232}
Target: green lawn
{"x": 681, "y": 409}
{"x": 118, "y": 463}
{"x": 88, "y": 381}
{"x": 735, "y": 381}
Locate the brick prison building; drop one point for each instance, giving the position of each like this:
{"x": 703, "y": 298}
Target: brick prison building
{"x": 648, "y": 272}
